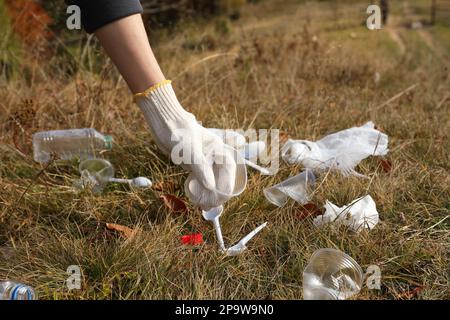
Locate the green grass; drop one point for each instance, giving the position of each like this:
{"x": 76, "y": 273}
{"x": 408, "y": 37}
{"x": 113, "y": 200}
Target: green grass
{"x": 277, "y": 77}
{"x": 442, "y": 35}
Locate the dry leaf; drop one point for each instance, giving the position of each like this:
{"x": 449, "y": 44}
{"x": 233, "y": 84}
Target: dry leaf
{"x": 308, "y": 210}
{"x": 126, "y": 232}
{"x": 386, "y": 165}
{"x": 411, "y": 293}
{"x": 164, "y": 186}
{"x": 174, "y": 204}
{"x": 284, "y": 136}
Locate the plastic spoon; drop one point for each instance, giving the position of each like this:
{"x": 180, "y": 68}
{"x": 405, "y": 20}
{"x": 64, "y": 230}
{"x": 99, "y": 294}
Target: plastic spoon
{"x": 139, "y": 182}
{"x": 257, "y": 167}
{"x": 240, "y": 246}
{"x": 213, "y": 216}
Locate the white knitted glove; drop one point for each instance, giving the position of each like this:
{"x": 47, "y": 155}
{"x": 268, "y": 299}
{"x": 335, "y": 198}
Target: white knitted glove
{"x": 212, "y": 164}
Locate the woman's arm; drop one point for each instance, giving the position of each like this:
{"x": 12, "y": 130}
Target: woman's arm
{"x": 215, "y": 173}
{"x": 126, "y": 43}
{"x": 119, "y": 27}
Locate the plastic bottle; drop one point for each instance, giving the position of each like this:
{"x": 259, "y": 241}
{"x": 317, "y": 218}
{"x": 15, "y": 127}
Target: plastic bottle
{"x": 68, "y": 144}
{"x": 10, "y": 290}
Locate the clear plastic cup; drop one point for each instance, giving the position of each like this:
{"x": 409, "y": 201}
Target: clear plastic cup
{"x": 331, "y": 275}
{"x": 95, "y": 174}
{"x": 296, "y": 187}
{"x": 209, "y": 199}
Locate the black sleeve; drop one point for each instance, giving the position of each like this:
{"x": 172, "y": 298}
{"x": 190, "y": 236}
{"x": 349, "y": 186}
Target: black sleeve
{"x": 97, "y": 13}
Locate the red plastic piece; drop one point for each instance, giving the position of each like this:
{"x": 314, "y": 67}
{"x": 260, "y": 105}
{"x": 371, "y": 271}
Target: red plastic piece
{"x": 192, "y": 239}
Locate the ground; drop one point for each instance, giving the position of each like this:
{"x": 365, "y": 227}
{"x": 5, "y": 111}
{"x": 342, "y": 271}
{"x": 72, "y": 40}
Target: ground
{"x": 306, "y": 68}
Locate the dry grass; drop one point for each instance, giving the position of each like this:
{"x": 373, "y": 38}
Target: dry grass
{"x": 274, "y": 75}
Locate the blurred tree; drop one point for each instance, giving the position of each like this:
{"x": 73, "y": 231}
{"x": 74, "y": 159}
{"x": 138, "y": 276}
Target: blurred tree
{"x": 9, "y": 46}
{"x": 433, "y": 12}
{"x": 169, "y": 12}
{"x": 30, "y": 23}
{"x": 57, "y": 10}
{"x": 384, "y": 6}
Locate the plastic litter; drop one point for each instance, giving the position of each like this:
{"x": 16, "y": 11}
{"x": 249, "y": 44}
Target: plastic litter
{"x": 249, "y": 151}
{"x": 241, "y": 245}
{"x": 253, "y": 150}
{"x": 331, "y": 275}
{"x": 342, "y": 150}
{"x": 230, "y": 137}
{"x": 296, "y": 187}
{"x": 96, "y": 173}
{"x": 208, "y": 199}
{"x": 192, "y": 239}
{"x": 11, "y": 290}
{"x": 213, "y": 216}
{"x": 68, "y": 144}
{"x": 257, "y": 167}
{"x": 359, "y": 214}
{"x": 139, "y": 182}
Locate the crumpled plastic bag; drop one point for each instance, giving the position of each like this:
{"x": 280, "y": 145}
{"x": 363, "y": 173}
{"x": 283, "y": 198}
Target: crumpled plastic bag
{"x": 359, "y": 214}
{"x": 342, "y": 150}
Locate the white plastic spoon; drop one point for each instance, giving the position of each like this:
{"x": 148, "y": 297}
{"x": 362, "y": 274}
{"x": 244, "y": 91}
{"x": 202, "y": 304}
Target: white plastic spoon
{"x": 213, "y": 216}
{"x": 139, "y": 182}
{"x": 240, "y": 246}
{"x": 257, "y": 167}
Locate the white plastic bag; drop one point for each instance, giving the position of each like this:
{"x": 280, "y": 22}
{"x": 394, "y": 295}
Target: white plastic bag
{"x": 342, "y": 150}
{"x": 359, "y": 214}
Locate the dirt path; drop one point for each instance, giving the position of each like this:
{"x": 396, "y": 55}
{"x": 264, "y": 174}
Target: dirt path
{"x": 427, "y": 37}
{"x": 393, "y": 33}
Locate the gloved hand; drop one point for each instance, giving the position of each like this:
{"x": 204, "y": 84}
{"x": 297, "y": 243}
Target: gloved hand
{"x": 213, "y": 165}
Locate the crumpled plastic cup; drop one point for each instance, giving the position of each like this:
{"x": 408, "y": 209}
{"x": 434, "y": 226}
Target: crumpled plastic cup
{"x": 296, "y": 187}
{"x": 331, "y": 275}
{"x": 208, "y": 199}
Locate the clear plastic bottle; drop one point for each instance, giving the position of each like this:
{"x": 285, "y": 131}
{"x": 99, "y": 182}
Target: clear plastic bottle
{"x": 11, "y": 290}
{"x": 68, "y": 144}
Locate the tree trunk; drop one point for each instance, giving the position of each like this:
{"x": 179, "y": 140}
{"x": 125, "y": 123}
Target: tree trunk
{"x": 384, "y": 6}
{"x": 433, "y": 12}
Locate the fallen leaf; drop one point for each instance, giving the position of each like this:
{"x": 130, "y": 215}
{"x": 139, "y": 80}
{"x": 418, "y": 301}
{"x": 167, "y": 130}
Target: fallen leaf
{"x": 174, "y": 204}
{"x": 386, "y": 165}
{"x": 308, "y": 210}
{"x": 284, "y": 136}
{"x": 411, "y": 293}
{"x": 192, "y": 239}
{"x": 164, "y": 186}
{"x": 126, "y": 231}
